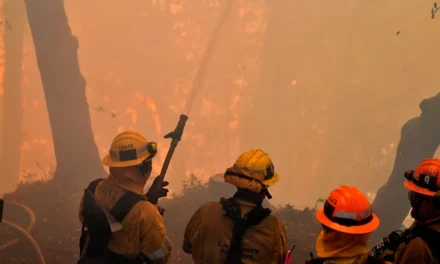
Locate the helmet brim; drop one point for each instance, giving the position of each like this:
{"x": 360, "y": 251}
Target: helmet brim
{"x": 413, "y": 187}
{"x": 354, "y": 230}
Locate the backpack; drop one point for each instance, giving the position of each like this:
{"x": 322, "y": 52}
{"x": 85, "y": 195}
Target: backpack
{"x": 431, "y": 237}
{"x": 96, "y": 227}
{"x": 232, "y": 211}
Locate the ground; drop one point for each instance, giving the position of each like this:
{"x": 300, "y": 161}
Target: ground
{"x": 57, "y": 227}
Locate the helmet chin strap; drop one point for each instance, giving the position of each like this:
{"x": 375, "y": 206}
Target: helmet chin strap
{"x": 267, "y": 193}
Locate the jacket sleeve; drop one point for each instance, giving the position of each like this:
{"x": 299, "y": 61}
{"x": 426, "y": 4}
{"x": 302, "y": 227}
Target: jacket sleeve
{"x": 416, "y": 251}
{"x": 155, "y": 245}
{"x": 281, "y": 246}
{"x": 192, "y": 229}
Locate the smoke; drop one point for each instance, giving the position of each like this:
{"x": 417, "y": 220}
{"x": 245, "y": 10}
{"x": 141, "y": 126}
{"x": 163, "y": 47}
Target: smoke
{"x": 207, "y": 55}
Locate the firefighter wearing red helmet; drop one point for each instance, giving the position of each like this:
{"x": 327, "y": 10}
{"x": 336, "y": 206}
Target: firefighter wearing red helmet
{"x": 422, "y": 241}
{"x": 347, "y": 222}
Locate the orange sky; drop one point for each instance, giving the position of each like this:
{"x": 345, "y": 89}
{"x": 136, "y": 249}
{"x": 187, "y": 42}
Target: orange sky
{"x": 142, "y": 80}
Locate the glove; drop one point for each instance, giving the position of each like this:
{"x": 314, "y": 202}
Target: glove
{"x": 395, "y": 238}
{"x": 157, "y": 191}
{"x": 386, "y": 248}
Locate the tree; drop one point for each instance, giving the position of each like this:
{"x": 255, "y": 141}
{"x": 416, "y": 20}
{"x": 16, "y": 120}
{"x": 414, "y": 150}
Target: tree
{"x": 64, "y": 88}
{"x": 14, "y": 22}
{"x": 419, "y": 140}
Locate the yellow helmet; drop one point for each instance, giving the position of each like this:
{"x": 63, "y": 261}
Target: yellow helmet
{"x": 129, "y": 148}
{"x": 253, "y": 170}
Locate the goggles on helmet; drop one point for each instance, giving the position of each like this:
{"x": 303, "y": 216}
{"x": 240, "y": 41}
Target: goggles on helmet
{"x": 425, "y": 181}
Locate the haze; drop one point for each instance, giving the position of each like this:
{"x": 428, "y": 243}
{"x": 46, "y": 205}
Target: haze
{"x": 323, "y": 87}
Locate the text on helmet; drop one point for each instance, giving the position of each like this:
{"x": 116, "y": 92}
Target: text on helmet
{"x": 430, "y": 173}
{"x": 129, "y": 146}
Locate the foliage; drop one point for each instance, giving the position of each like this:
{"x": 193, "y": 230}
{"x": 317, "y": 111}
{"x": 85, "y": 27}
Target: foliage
{"x": 192, "y": 185}
{"x": 434, "y": 10}
{"x": 320, "y": 200}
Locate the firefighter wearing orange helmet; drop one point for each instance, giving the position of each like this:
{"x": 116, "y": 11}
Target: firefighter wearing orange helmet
{"x": 239, "y": 229}
{"x": 422, "y": 242}
{"x": 120, "y": 224}
{"x": 347, "y": 220}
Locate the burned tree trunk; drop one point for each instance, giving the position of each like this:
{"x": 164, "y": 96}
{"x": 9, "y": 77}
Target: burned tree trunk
{"x": 64, "y": 88}
{"x": 419, "y": 140}
{"x": 14, "y": 21}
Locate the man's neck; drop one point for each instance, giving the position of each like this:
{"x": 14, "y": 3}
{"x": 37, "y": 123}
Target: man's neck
{"x": 249, "y": 197}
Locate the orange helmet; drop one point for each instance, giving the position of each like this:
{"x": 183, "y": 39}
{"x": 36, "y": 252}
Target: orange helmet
{"x": 425, "y": 179}
{"x": 347, "y": 210}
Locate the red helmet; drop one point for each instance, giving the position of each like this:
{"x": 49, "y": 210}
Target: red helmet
{"x": 347, "y": 210}
{"x": 425, "y": 179}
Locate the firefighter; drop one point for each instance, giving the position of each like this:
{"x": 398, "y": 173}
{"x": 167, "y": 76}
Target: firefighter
{"x": 422, "y": 241}
{"x": 120, "y": 224}
{"x": 239, "y": 229}
{"x": 347, "y": 222}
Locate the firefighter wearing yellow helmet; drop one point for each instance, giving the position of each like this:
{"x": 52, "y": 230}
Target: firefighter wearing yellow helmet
{"x": 119, "y": 223}
{"x": 239, "y": 229}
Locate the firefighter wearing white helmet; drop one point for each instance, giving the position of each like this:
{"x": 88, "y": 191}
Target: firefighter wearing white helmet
{"x": 239, "y": 229}
{"x": 120, "y": 223}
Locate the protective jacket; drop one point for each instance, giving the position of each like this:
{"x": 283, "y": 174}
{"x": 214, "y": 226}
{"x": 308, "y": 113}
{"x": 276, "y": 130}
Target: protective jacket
{"x": 209, "y": 234}
{"x": 423, "y": 245}
{"x": 143, "y": 233}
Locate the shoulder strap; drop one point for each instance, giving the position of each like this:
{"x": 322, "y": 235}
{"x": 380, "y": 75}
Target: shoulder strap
{"x": 92, "y": 185}
{"x": 92, "y": 188}
{"x": 124, "y": 205}
{"x": 94, "y": 218}
{"x": 254, "y": 217}
{"x": 431, "y": 238}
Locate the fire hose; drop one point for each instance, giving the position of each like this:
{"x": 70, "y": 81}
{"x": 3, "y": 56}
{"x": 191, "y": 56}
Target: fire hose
{"x": 176, "y": 135}
{"x": 24, "y": 233}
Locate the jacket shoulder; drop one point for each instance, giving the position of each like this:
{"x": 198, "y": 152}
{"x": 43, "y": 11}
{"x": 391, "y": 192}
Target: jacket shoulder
{"x": 144, "y": 211}
{"x": 211, "y": 206}
{"x": 145, "y": 206}
{"x": 274, "y": 220}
